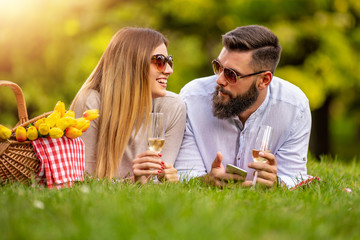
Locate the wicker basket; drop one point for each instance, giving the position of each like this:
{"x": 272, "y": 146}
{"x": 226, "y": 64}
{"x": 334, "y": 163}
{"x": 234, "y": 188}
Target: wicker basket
{"x": 18, "y": 161}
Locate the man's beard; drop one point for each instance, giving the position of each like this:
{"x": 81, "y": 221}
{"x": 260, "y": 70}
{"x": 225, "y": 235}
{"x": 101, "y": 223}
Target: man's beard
{"x": 235, "y": 105}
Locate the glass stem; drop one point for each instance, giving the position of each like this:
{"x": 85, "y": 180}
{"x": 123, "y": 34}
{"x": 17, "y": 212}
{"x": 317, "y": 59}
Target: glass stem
{"x": 254, "y": 180}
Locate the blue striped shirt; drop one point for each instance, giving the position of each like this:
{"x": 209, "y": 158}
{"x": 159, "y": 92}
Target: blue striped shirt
{"x": 285, "y": 108}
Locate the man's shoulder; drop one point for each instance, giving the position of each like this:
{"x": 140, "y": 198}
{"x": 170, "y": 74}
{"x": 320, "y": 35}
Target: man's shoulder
{"x": 283, "y": 90}
{"x": 199, "y": 87}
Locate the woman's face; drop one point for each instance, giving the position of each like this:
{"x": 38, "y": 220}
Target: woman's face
{"x": 158, "y": 79}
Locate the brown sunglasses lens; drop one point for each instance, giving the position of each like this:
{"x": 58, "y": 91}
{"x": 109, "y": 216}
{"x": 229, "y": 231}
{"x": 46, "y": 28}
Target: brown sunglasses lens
{"x": 229, "y": 74}
{"x": 160, "y": 62}
{"x": 216, "y": 67}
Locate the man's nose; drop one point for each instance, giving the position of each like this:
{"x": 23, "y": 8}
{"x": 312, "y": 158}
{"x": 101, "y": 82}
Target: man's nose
{"x": 221, "y": 81}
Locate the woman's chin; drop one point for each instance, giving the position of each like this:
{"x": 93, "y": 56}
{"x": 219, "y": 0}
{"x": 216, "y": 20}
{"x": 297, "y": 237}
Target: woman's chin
{"x": 158, "y": 93}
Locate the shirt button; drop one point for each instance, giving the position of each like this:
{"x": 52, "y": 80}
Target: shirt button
{"x": 238, "y": 158}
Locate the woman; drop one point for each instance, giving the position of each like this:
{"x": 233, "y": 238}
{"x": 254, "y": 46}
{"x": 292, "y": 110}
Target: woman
{"x": 131, "y": 73}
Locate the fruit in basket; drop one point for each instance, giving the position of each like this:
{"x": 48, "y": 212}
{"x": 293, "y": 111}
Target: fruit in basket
{"x": 60, "y": 107}
{"x": 69, "y": 113}
{"x": 72, "y": 132}
{"x": 85, "y": 126}
{"x": 58, "y": 123}
{"x": 65, "y": 122}
{"x": 32, "y": 133}
{"x": 20, "y": 134}
{"x": 5, "y": 133}
{"x": 81, "y": 123}
{"x": 56, "y": 132}
{"x": 52, "y": 118}
{"x": 38, "y": 122}
{"x": 91, "y": 114}
{"x": 44, "y": 129}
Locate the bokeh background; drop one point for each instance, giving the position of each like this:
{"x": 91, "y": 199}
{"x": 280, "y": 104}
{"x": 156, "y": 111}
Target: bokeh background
{"x": 49, "y": 48}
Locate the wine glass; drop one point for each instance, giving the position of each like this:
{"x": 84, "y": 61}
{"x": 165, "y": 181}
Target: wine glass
{"x": 262, "y": 144}
{"x": 156, "y": 135}
{"x": 156, "y": 132}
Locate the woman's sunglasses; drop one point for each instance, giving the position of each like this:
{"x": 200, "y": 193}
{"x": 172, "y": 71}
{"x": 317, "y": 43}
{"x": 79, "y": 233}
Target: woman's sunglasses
{"x": 160, "y": 61}
{"x": 230, "y": 75}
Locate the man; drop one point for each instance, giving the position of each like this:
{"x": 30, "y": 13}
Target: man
{"x": 224, "y": 113}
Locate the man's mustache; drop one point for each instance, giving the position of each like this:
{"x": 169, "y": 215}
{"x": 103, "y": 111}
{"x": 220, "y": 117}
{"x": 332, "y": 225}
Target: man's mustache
{"x": 221, "y": 89}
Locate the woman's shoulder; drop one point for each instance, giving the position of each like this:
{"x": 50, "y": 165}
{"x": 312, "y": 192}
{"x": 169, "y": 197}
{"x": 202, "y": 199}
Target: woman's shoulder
{"x": 170, "y": 101}
{"x": 91, "y": 97}
{"x": 88, "y": 100}
{"x": 170, "y": 96}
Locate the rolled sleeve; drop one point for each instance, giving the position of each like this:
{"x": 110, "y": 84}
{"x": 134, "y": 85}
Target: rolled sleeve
{"x": 292, "y": 155}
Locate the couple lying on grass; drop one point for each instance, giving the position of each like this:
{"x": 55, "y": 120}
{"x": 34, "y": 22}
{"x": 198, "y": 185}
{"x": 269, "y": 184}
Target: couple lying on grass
{"x": 212, "y": 123}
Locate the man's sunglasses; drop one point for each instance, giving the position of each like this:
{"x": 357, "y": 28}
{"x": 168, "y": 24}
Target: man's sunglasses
{"x": 230, "y": 75}
{"x": 160, "y": 61}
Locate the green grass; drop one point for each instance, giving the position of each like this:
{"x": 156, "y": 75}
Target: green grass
{"x": 105, "y": 210}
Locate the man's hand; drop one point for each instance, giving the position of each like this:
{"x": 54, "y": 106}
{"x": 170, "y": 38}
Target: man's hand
{"x": 218, "y": 176}
{"x": 266, "y": 171}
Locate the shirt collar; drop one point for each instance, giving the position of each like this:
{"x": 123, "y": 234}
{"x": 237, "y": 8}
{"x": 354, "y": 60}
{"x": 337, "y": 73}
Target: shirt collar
{"x": 258, "y": 112}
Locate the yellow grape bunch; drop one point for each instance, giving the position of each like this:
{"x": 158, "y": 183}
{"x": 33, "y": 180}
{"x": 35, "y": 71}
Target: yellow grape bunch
{"x": 59, "y": 123}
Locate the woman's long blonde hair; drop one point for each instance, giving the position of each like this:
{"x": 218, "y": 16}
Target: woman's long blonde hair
{"x": 122, "y": 79}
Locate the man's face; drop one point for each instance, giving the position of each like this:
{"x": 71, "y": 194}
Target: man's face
{"x": 230, "y": 100}
{"x": 234, "y": 105}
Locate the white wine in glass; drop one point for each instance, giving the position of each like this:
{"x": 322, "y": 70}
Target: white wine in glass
{"x": 262, "y": 144}
{"x": 256, "y": 157}
{"x": 155, "y": 144}
{"x": 156, "y": 132}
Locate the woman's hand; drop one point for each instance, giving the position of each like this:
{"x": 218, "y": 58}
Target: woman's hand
{"x": 169, "y": 173}
{"x": 146, "y": 165}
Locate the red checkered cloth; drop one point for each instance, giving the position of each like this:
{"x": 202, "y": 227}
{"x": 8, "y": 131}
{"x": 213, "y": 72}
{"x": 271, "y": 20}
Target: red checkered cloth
{"x": 306, "y": 183}
{"x": 62, "y": 161}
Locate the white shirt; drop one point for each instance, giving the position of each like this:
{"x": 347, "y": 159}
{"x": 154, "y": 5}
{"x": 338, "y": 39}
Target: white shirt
{"x": 285, "y": 108}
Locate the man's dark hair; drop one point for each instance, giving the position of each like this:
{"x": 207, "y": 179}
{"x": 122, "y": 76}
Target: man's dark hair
{"x": 264, "y": 44}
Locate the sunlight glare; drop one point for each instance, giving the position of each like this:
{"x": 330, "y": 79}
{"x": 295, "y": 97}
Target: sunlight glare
{"x": 15, "y": 8}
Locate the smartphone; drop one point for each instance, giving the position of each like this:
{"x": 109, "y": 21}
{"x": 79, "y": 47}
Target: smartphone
{"x": 236, "y": 170}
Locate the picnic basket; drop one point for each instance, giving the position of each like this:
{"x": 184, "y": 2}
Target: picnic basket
{"x": 18, "y": 160}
